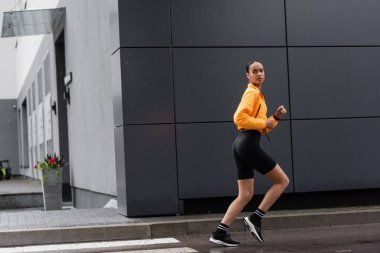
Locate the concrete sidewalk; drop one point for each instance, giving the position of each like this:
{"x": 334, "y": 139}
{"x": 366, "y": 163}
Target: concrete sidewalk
{"x": 32, "y": 227}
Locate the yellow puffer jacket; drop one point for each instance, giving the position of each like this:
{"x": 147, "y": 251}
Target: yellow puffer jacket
{"x": 252, "y": 103}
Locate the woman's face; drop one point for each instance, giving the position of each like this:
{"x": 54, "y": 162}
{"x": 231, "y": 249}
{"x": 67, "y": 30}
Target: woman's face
{"x": 256, "y": 73}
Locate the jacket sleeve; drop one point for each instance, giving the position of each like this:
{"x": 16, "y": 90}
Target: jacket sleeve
{"x": 242, "y": 116}
{"x": 267, "y": 130}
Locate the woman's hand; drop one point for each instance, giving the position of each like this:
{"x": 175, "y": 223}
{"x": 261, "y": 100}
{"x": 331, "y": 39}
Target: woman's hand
{"x": 281, "y": 111}
{"x": 271, "y": 123}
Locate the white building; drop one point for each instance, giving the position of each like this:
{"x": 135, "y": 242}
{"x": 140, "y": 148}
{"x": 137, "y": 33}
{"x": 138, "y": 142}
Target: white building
{"x": 33, "y": 69}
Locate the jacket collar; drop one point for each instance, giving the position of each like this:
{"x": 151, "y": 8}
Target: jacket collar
{"x": 254, "y": 87}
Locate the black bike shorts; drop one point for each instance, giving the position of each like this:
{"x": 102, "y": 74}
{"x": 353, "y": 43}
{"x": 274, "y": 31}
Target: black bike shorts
{"x": 248, "y": 155}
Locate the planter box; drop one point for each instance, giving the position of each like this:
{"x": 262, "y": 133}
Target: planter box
{"x": 52, "y": 190}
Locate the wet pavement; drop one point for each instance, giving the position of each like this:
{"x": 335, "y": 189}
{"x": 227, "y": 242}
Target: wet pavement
{"x": 338, "y": 230}
{"x": 339, "y": 239}
{"x": 344, "y": 239}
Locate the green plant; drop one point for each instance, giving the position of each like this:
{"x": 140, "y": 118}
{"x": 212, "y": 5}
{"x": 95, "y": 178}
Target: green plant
{"x": 51, "y": 162}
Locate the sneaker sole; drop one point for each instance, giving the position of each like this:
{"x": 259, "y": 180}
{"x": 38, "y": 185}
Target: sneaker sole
{"x": 253, "y": 230}
{"x": 223, "y": 243}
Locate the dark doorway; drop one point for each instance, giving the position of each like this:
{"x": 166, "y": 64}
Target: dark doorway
{"x": 23, "y": 115}
{"x": 62, "y": 115}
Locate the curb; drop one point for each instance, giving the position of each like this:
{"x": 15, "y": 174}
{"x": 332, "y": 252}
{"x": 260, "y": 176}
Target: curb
{"x": 74, "y": 234}
{"x": 182, "y": 227}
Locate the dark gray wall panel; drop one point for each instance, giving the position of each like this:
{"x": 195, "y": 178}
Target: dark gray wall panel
{"x": 338, "y": 22}
{"x": 144, "y": 23}
{"x": 9, "y": 134}
{"x": 209, "y": 82}
{"x": 147, "y": 85}
{"x": 334, "y": 82}
{"x": 151, "y": 170}
{"x": 228, "y": 23}
{"x": 336, "y": 154}
{"x": 205, "y": 163}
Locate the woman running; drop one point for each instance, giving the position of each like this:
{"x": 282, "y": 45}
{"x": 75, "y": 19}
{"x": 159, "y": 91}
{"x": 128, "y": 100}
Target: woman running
{"x": 251, "y": 121}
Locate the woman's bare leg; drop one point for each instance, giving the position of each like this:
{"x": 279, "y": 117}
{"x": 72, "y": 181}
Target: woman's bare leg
{"x": 280, "y": 182}
{"x": 245, "y": 195}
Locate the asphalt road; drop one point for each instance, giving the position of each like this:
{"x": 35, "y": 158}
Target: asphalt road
{"x": 342, "y": 239}
{"x": 347, "y": 239}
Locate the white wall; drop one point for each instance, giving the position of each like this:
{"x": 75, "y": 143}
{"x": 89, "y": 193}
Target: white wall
{"x": 28, "y": 45}
{"x": 90, "y": 114}
{"x": 8, "y": 88}
{"x": 25, "y": 54}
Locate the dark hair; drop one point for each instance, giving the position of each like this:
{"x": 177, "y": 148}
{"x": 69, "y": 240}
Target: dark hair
{"x": 249, "y": 65}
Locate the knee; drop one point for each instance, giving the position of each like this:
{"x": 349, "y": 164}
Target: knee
{"x": 285, "y": 182}
{"x": 246, "y": 196}
{"x": 281, "y": 179}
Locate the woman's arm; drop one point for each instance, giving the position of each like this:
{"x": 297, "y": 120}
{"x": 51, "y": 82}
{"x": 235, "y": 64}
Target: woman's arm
{"x": 271, "y": 124}
{"x": 281, "y": 111}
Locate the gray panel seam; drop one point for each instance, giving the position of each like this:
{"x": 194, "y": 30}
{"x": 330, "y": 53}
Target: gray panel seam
{"x": 289, "y": 99}
{"x": 117, "y": 49}
{"x": 338, "y": 46}
{"x": 337, "y": 118}
{"x": 266, "y": 46}
{"x": 142, "y": 47}
{"x": 174, "y": 110}
{"x": 182, "y": 123}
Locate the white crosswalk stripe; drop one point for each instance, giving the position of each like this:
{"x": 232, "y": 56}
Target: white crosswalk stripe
{"x": 169, "y": 250}
{"x": 118, "y": 245}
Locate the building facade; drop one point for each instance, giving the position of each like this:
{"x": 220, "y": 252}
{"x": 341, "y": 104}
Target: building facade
{"x": 8, "y": 95}
{"x": 155, "y": 83}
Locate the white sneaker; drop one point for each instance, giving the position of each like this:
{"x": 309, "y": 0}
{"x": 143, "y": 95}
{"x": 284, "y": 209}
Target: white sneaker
{"x": 255, "y": 230}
